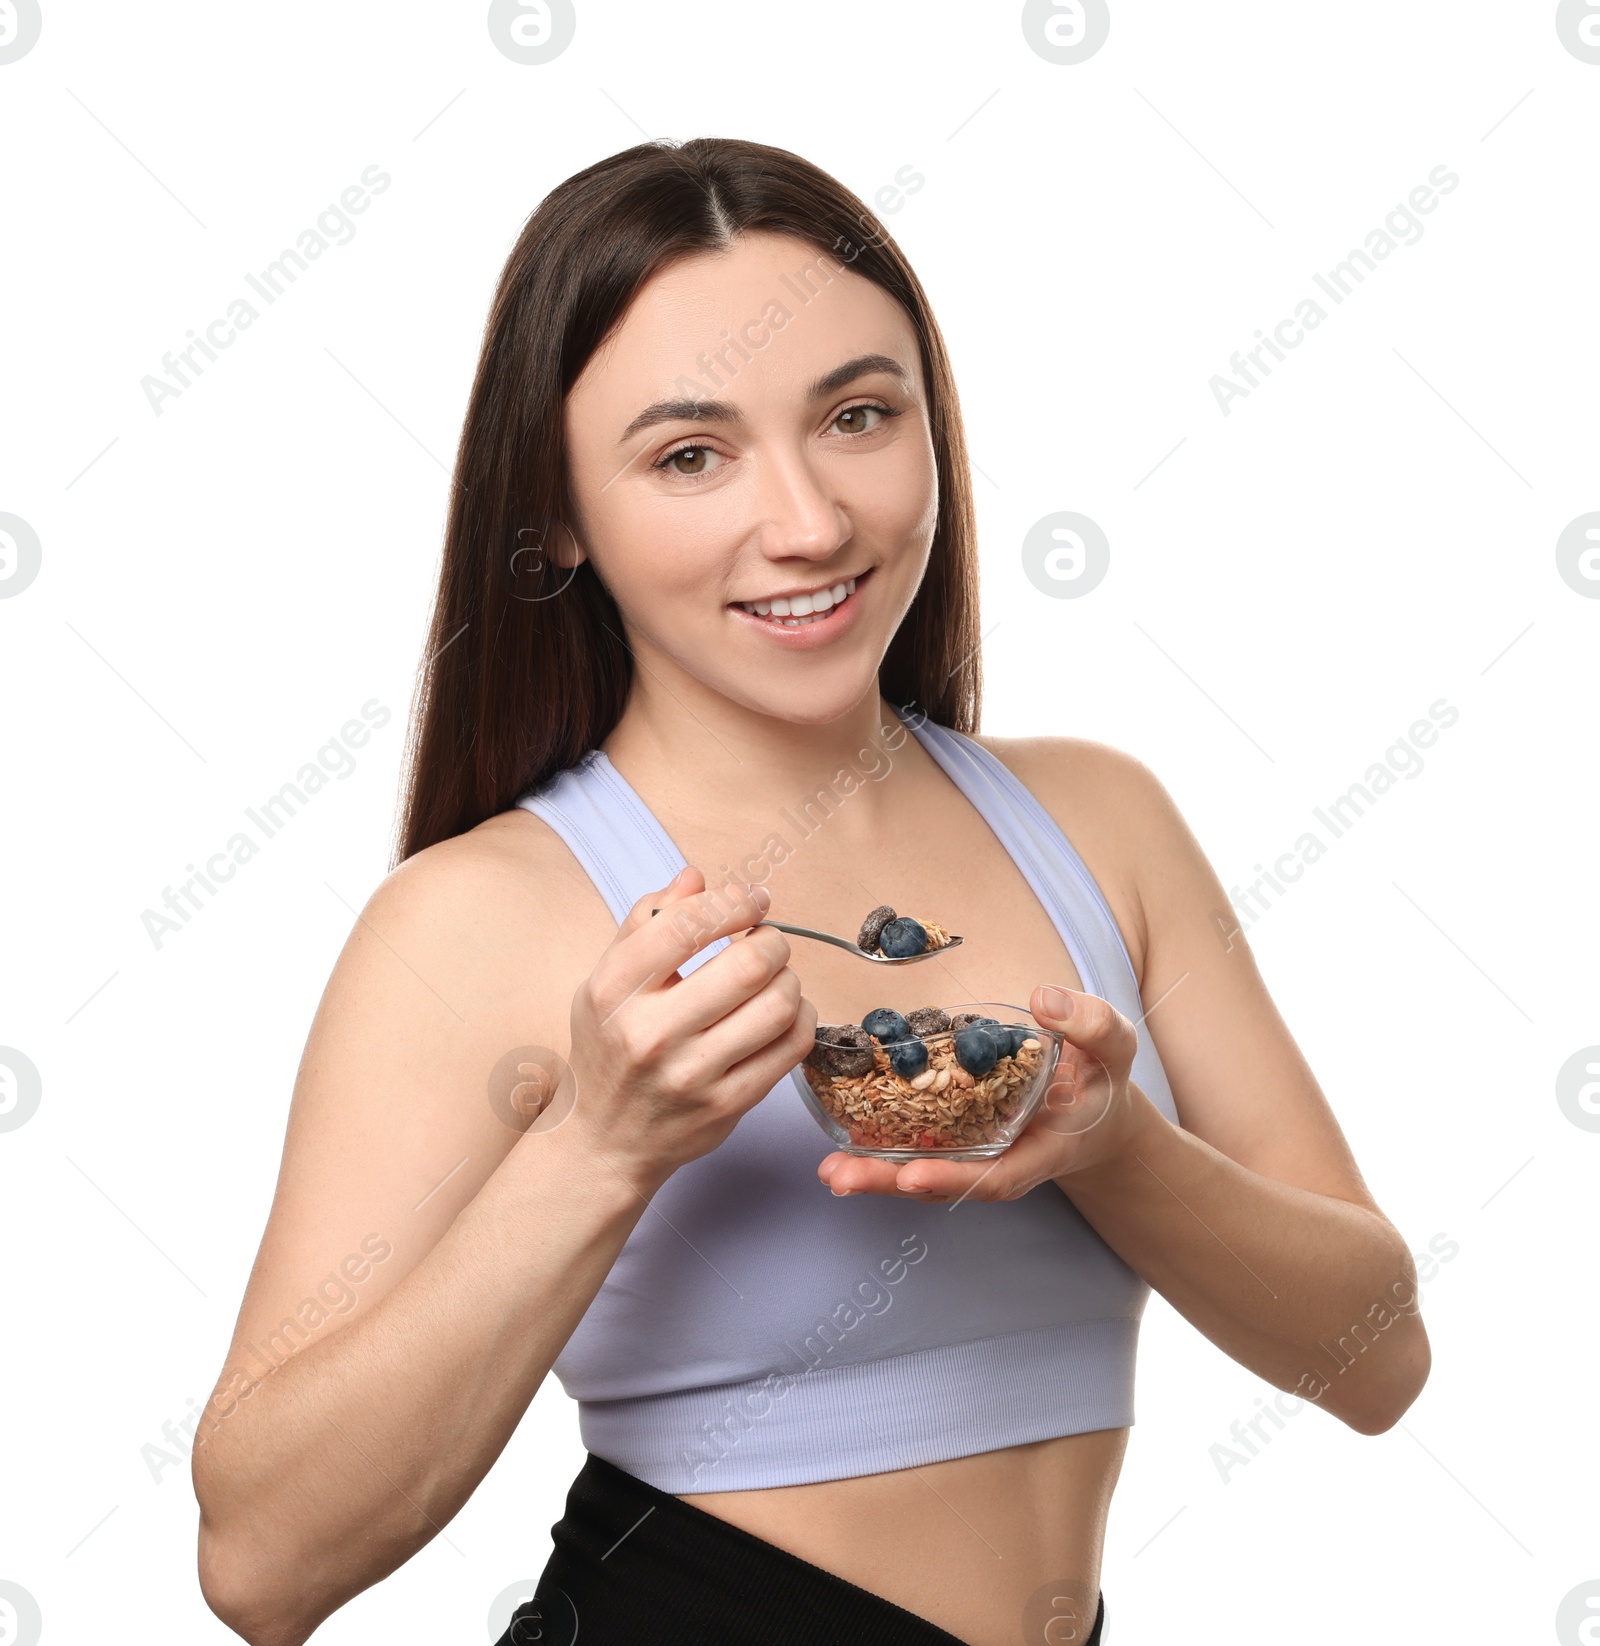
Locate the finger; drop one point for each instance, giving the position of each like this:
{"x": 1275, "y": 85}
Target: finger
{"x": 650, "y": 954}
{"x": 1090, "y": 1023}
{"x": 1026, "y": 1164}
{"x": 685, "y": 883}
{"x": 853, "y": 1174}
{"x": 764, "y": 1068}
{"x": 727, "y": 980}
{"x": 861, "y": 1174}
{"x": 750, "y": 1028}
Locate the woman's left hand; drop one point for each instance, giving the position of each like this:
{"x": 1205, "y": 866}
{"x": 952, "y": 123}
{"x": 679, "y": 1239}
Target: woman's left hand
{"x": 1088, "y": 1118}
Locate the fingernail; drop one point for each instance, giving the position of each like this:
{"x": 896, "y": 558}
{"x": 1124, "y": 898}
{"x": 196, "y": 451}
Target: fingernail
{"x": 1056, "y": 1002}
{"x": 839, "y": 1194}
{"x": 762, "y": 898}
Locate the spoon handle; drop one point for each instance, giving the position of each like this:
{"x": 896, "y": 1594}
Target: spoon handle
{"x": 805, "y": 931}
{"x": 821, "y": 937}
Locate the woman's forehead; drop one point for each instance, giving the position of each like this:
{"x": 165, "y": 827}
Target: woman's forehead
{"x": 772, "y": 313}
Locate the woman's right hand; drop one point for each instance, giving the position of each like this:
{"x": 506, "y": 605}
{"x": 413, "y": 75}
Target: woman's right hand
{"x": 663, "y": 1066}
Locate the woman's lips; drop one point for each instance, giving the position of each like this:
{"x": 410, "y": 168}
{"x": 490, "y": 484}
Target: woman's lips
{"x": 810, "y": 627}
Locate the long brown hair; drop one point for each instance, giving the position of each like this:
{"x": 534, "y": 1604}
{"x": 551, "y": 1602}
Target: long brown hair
{"x": 526, "y": 668}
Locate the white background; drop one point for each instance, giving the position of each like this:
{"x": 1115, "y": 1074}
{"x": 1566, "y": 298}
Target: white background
{"x": 1369, "y": 531}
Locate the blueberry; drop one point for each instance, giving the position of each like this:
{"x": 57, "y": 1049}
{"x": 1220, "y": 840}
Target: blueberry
{"x": 903, "y": 937}
{"x": 908, "y": 1058}
{"x": 976, "y": 1050}
{"x": 885, "y": 1024}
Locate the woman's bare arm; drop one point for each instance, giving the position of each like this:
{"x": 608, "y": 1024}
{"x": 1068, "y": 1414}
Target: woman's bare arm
{"x": 446, "y": 1256}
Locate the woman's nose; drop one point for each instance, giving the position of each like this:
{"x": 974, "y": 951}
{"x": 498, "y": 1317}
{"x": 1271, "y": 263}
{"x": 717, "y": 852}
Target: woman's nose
{"x": 797, "y": 517}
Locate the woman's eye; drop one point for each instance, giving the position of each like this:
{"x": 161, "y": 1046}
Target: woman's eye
{"x": 854, "y": 419}
{"x": 688, "y": 460}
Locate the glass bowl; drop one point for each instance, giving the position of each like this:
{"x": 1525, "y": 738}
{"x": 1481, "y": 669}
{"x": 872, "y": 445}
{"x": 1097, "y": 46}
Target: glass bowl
{"x": 952, "y": 1108}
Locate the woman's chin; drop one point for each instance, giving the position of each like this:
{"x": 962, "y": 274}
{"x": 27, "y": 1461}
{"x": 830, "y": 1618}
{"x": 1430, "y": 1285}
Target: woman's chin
{"x": 814, "y": 698}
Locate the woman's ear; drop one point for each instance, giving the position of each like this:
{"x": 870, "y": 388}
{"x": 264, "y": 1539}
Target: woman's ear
{"x": 565, "y": 549}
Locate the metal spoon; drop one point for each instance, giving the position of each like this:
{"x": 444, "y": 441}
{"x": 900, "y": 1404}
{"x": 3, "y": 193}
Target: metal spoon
{"x": 855, "y": 949}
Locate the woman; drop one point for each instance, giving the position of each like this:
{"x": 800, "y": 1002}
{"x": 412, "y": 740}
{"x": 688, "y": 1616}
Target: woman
{"x": 706, "y": 645}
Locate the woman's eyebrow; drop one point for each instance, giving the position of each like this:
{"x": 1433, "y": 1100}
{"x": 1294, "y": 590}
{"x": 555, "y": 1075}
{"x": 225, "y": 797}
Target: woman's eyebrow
{"x": 861, "y": 366}
{"x": 719, "y": 411}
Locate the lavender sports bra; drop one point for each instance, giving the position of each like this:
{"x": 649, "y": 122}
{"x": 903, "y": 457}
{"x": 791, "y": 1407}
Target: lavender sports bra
{"x": 756, "y": 1331}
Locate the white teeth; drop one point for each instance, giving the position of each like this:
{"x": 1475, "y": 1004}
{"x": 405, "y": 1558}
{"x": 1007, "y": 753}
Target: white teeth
{"x": 795, "y": 611}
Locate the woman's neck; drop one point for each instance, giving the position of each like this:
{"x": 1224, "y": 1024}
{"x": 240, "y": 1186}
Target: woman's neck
{"x": 687, "y": 747}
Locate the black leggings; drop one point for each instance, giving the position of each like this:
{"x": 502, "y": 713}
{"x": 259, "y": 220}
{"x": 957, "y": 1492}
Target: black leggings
{"x": 634, "y": 1566}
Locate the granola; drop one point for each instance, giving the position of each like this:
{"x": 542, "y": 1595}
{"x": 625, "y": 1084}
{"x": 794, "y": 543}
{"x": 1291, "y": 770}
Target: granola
{"x": 944, "y": 1107}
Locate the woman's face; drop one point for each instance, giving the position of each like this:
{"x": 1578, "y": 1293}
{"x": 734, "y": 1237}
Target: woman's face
{"x": 754, "y": 475}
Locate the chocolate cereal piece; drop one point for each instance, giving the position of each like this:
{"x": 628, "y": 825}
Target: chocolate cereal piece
{"x": 928, "y": 1020}
{"x": 872, "y": 928}
{"x": 848, "y": 1053}
{"x": 820, "y": 1056}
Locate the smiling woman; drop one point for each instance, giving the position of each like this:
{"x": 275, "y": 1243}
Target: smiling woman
{"x": 697, "y": 565}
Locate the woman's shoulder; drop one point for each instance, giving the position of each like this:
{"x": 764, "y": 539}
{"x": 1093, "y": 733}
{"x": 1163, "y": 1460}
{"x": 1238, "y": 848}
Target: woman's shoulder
{"x": 507, "y": 893}
{"x": 513, "y": 856}
{"x": 1115, "y": 811}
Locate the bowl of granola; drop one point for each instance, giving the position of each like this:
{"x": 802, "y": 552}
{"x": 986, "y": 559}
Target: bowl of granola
{"x": 932, "y": 1083}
